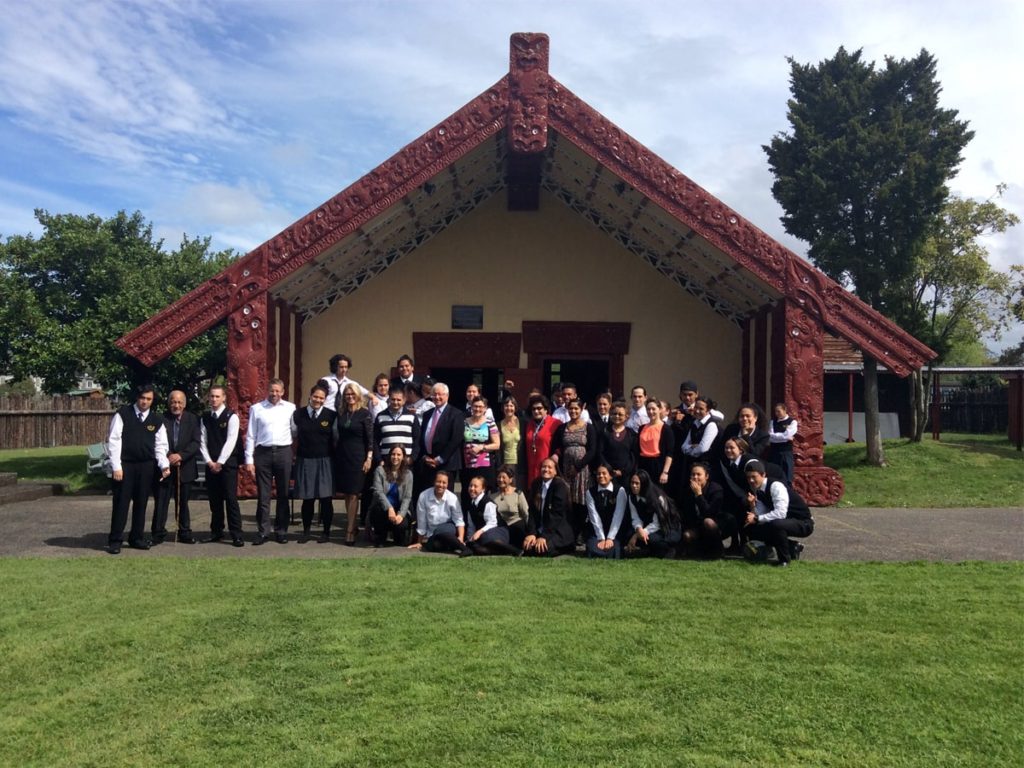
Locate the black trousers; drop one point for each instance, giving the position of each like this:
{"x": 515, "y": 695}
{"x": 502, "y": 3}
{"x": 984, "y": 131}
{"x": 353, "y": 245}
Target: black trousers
{"x": 222, "y": 488}
{"x": 326, "y": 513}
{"x": 273, "y": 465}
{"x": 164, "y": 493}
{"x": 380, "y": 526}
{"x": 776, "y": 533}
{"x": 131, "y": 491}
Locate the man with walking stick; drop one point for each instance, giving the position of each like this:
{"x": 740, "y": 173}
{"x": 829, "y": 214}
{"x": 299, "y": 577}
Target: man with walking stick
{"x": 183, "y": 447}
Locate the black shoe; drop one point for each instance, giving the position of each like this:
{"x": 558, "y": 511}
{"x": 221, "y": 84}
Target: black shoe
{"x": 323, "y": 538}
{"x": 237, "y": 542}
{"x": 280, "y": 538}
{"x": 260, "y": 540}
{"x": 114, "y": 549}
{"x": 795, "y": 548}
{"x": 212, "y": 538}
{"x": 144, "y": 544}
{"x": 466, "y": 552}
{"x": 159, "y": 538}
{"x": 186, "y": 538}
{"x": 781, "y": 563}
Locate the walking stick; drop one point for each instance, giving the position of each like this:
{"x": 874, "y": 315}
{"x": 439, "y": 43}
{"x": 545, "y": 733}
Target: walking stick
{"x": 177, "y": 501}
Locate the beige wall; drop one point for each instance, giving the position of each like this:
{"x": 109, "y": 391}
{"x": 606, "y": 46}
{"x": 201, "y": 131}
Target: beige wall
{"x": 546, "y": 265}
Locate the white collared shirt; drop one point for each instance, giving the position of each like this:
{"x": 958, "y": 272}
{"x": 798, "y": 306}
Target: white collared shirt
{"x": 432, "y": 512}
{"x": 617, "y": 515}
{"x": 269, "y": 426}
{"x": 780, "y": 502}
{"x": 114, "y": 441}
{"x": 637, "y": 419}
{"x": 229, "y": 440}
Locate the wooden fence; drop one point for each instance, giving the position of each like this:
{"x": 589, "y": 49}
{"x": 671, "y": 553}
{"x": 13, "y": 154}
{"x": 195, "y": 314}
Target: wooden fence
{"x": 976, "y": 411}
{"x": 45, "y": 422}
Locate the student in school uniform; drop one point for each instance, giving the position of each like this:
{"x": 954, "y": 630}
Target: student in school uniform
{"x": 776, "y": 515}
{"x": 782, "y": 431}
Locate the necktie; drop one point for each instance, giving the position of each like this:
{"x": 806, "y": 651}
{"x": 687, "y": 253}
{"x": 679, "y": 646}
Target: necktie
{"x": 142, "y": 416}
{"x": 177, "y": 428}
{"x": 433, "y": 428}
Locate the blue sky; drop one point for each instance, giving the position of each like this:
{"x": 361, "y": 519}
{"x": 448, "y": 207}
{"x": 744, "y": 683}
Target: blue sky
{"x": 232, "y": 119}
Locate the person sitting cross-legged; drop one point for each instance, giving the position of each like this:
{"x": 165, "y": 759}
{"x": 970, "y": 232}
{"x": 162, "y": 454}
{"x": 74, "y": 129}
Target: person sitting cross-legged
{"x": 439, "y": 521}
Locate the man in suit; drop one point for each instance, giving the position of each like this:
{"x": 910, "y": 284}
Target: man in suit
{"x": 549, "y": 528}
{"x": 183, "y": 447}
{"x": 441, "y": 438}
{"x": 406, "y": 374}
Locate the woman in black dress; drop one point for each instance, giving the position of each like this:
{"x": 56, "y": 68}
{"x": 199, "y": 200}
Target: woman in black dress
{"x": 752, "y": 425}
{"x": 617, "y": 445}
{"x": 353, "y": 455}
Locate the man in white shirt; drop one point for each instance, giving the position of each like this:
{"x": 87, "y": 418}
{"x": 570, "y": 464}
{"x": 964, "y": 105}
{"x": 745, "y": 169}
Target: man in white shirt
{"x": 338, "y": 379}
{"x": 268, "y": 458}
{"x": 638, "y": 414}
{"x": 220, "y": 448}
{"x": 568, "y": 395}
{"x": 136, "y": 445}
{"x": 775, "y": 513}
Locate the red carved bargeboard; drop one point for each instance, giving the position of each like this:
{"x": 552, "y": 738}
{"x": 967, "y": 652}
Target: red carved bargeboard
{"x": 530, "y": 103}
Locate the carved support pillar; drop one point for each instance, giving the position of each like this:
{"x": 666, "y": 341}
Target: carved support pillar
{"x": 527, "y": 119}
{"x": 247, "y": 356}
{"x": 803, "y": 341}
{"x": 761, "y": 356}
{"x": 745, "y": 363}
{"x": 284, "y": 347}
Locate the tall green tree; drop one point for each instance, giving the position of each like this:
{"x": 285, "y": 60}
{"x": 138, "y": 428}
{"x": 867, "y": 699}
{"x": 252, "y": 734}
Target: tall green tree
{"x": 71, "y": 292}
{"x": 862, "y": 174}
{"x": 955, "y": 295}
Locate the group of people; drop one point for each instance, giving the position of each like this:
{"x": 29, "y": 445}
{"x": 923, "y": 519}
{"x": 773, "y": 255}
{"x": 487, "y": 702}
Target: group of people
{"x": 631, "y": 479}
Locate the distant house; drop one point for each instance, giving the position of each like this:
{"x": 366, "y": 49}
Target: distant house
{"x": 527, "y": 237}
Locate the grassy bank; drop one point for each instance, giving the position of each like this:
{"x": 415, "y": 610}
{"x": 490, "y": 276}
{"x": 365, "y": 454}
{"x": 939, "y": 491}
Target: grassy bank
{"x": 65, "y": 465}
{"x": 958, "y": 471}
{"x": 513, "y": 663}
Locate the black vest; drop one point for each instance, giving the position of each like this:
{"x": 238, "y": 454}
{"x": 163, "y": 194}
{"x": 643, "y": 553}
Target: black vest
{"x": 780, "y": 426}
{"x": 604, "y": 503}
{"x": 314, "y": 436}
{"x": 798, "y": 509}
{"x": 475, "y": 511}
{"x": 217, "y": 435}
{"x": 138, "y": 438}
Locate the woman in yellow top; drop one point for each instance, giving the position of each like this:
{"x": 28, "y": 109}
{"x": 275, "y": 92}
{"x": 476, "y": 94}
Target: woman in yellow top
{"x": 511, "y": 436}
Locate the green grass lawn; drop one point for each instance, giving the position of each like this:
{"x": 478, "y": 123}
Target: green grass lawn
{"x": 64, "y": 465}
{"x": 958, "y": 471}
{"x": 492, "y": 662}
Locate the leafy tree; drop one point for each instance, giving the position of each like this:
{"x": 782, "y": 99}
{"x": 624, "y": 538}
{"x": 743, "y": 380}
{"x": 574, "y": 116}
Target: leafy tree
{"x": 955, "y": 296}
{"x": 862, "y": 176}
{"x": 70, "y": 293}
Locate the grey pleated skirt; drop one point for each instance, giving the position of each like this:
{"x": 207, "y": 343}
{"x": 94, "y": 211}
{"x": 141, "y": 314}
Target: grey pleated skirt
{"x": 313, "y": 478}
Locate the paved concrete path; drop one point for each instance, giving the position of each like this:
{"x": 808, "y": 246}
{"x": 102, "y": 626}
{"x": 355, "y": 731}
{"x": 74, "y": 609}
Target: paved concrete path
{"x": 77, "y": 526}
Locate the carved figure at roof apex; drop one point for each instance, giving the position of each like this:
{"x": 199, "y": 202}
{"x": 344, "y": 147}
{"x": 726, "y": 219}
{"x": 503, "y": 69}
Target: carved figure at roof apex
{"x": 528, "y": 51}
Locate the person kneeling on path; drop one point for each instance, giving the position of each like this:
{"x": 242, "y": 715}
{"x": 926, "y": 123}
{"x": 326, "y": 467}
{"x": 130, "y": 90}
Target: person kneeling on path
{"x": 775, "y": 513}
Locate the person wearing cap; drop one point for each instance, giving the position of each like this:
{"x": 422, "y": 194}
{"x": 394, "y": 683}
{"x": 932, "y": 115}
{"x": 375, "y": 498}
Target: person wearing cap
{"x": 775, "y": 514}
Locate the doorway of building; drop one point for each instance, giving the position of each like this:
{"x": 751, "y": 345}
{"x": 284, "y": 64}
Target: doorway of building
{"x": 591, "y": 377}
{"x": 490, "y": 381}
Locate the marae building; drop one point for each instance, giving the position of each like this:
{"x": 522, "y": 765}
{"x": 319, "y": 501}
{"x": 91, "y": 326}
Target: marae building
{"x": 527, "y": 237}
